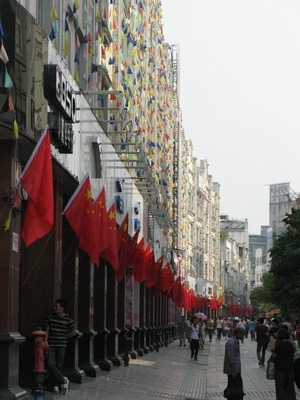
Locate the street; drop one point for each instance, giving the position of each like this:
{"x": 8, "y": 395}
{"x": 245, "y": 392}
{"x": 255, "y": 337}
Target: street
{"x": 171, "y": 374}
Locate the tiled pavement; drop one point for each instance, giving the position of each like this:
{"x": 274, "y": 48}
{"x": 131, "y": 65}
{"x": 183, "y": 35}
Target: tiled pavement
{"x": 256, "y": 386}
{"x": 170, "y": 374}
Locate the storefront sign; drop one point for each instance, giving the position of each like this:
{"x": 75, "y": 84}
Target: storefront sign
{"x": 62, "y": 101}
{"x": 59, "y": 93}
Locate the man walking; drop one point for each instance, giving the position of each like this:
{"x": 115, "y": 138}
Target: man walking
{"x": 262, "y": 338}
{"x": 59, "y": 327}
{"x": 232, "y": 365}
{"x": 182, "y": 326}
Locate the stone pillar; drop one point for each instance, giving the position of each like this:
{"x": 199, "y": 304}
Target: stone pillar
{"x": 143, "y": 324}
{"x": 150, "y": 341}
{"x": 10, "y": 338}
{"x": 100, "y": 326}
{"x": 86, "y": 320}
{"x": 121, "y": 318}
{"x": 73, "y": 259}
{"x": 129, "y": 308}
{"x": 137, "y": 311}
{"x": 112, "y": 319}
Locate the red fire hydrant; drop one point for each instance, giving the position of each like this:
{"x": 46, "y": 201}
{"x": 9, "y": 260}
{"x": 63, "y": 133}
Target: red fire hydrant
{"x": 39, "y": 351}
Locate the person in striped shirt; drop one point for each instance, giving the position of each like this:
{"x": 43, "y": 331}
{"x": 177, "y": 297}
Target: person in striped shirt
{"x": 59, "y": 327}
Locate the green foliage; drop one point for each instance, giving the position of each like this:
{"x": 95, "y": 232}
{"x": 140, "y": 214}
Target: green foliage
{"x": 223, "y": 234}
{"x": 285, "y": 266}
{"x": 262, "y": 299}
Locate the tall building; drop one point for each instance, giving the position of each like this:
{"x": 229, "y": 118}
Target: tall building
{"x": 101, "y": 76}
{"x": 264, "y": 243}
{"x": 279, "y": 205}
{"x": 207, "y": 244}
{"x": 235, "y": 259}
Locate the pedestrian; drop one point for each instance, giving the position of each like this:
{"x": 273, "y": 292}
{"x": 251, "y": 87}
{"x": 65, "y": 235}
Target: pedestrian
{"x": 288, "y": 323}
{"x": 297, "y": 334}
{"x": 247, "y": 326}
{"x": 252, "y": 329}
{"x": 262, "y": 339}
{"x": 182, "y": 325}
{"x": 283, "y": 355}
{"x": 210, "y": 328}
{"x": 202, "y": 334}
{"x": 194, "y": 338}
{"x": 291, "y": 337}
{"x": 273, "y": 333}
{"x": 188, "y": 329}
{"x": 226, "y": 328}
{"x": 219, "y": 327}
{"x": 232, "y": 366}
{"x": 242, "y": 324}
{"x": 59, "y": 327}
{"x": 232, "y": 327}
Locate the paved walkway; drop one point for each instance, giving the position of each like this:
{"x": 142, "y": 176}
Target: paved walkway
{"x": 170, "y": 374}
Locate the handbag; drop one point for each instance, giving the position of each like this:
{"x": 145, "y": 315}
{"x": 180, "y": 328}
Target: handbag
{"x": 231, "y": 392}
{"x": 270, "y": 372}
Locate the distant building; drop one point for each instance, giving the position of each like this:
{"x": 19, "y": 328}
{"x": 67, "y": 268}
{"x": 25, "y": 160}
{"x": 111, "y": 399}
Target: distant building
{"x": 280, "y": 203}
{"x": 235, "y": 262}
{"x": 207, "y": 246}
{"x": 264, "y": 243}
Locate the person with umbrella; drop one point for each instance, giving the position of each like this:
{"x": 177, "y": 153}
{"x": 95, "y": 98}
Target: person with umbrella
{"x": 200, "y": 315}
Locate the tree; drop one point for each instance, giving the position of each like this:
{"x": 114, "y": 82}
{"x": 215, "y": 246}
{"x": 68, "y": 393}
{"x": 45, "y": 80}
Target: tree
{"x": 285, "y": 265}
{"x": 262, "y": 298}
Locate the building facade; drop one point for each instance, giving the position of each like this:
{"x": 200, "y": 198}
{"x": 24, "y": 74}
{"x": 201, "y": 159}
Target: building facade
{"x": 103, "y": 79}
{"x": 235, "y": 261}
{"x": 264, "y": 243}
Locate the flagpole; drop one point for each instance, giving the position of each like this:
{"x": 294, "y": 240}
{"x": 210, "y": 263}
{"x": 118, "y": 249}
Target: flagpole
{"x": 41, "y": 251}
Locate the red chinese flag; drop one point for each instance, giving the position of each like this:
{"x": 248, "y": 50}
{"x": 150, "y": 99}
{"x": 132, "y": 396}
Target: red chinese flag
{"x": 154, "y": 271}
{"x": 138, "y": 258}
{"x": 166, "y": 278}
{"x": 133, "y": 248}
{"x": 185, "y": 301}
{"x": 111, "y": 252}
{"x": 37, "y": 181}
{"x": 123, "y": 241}
{"x": 141, "y": 266}
{"x": 138, "y": 254}
{"x": 213, "y": 304}
{"x": 177, "y": 291}
{"x": 81, "y": 216}
{"x": 101, "y": 221}
{"x": 122, "y": 229}
{"x": 192, "y": 298}
{"x": 188, "y": 301}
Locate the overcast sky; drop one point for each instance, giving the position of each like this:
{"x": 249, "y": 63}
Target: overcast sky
{"x": 240, "y": 95}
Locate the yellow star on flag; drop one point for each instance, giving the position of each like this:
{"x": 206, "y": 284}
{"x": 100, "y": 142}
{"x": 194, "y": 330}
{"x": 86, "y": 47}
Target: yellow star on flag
{"x": 112, "y": 215}
{"x": 88, "y": 194}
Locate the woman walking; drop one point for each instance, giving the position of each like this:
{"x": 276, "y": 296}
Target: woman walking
{"x": 194, "y": 338}
{"x": 284, "y": 366}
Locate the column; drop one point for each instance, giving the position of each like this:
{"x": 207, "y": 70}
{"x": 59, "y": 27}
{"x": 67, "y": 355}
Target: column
{"x": 10, "y": 338}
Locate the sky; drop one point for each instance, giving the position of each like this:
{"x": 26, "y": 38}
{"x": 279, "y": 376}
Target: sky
{"x": 240, "y": 95}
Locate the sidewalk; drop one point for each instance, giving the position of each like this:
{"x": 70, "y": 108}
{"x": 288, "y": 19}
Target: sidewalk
{"x": 170, "y": 374}
{"x": 256, "y": 386}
